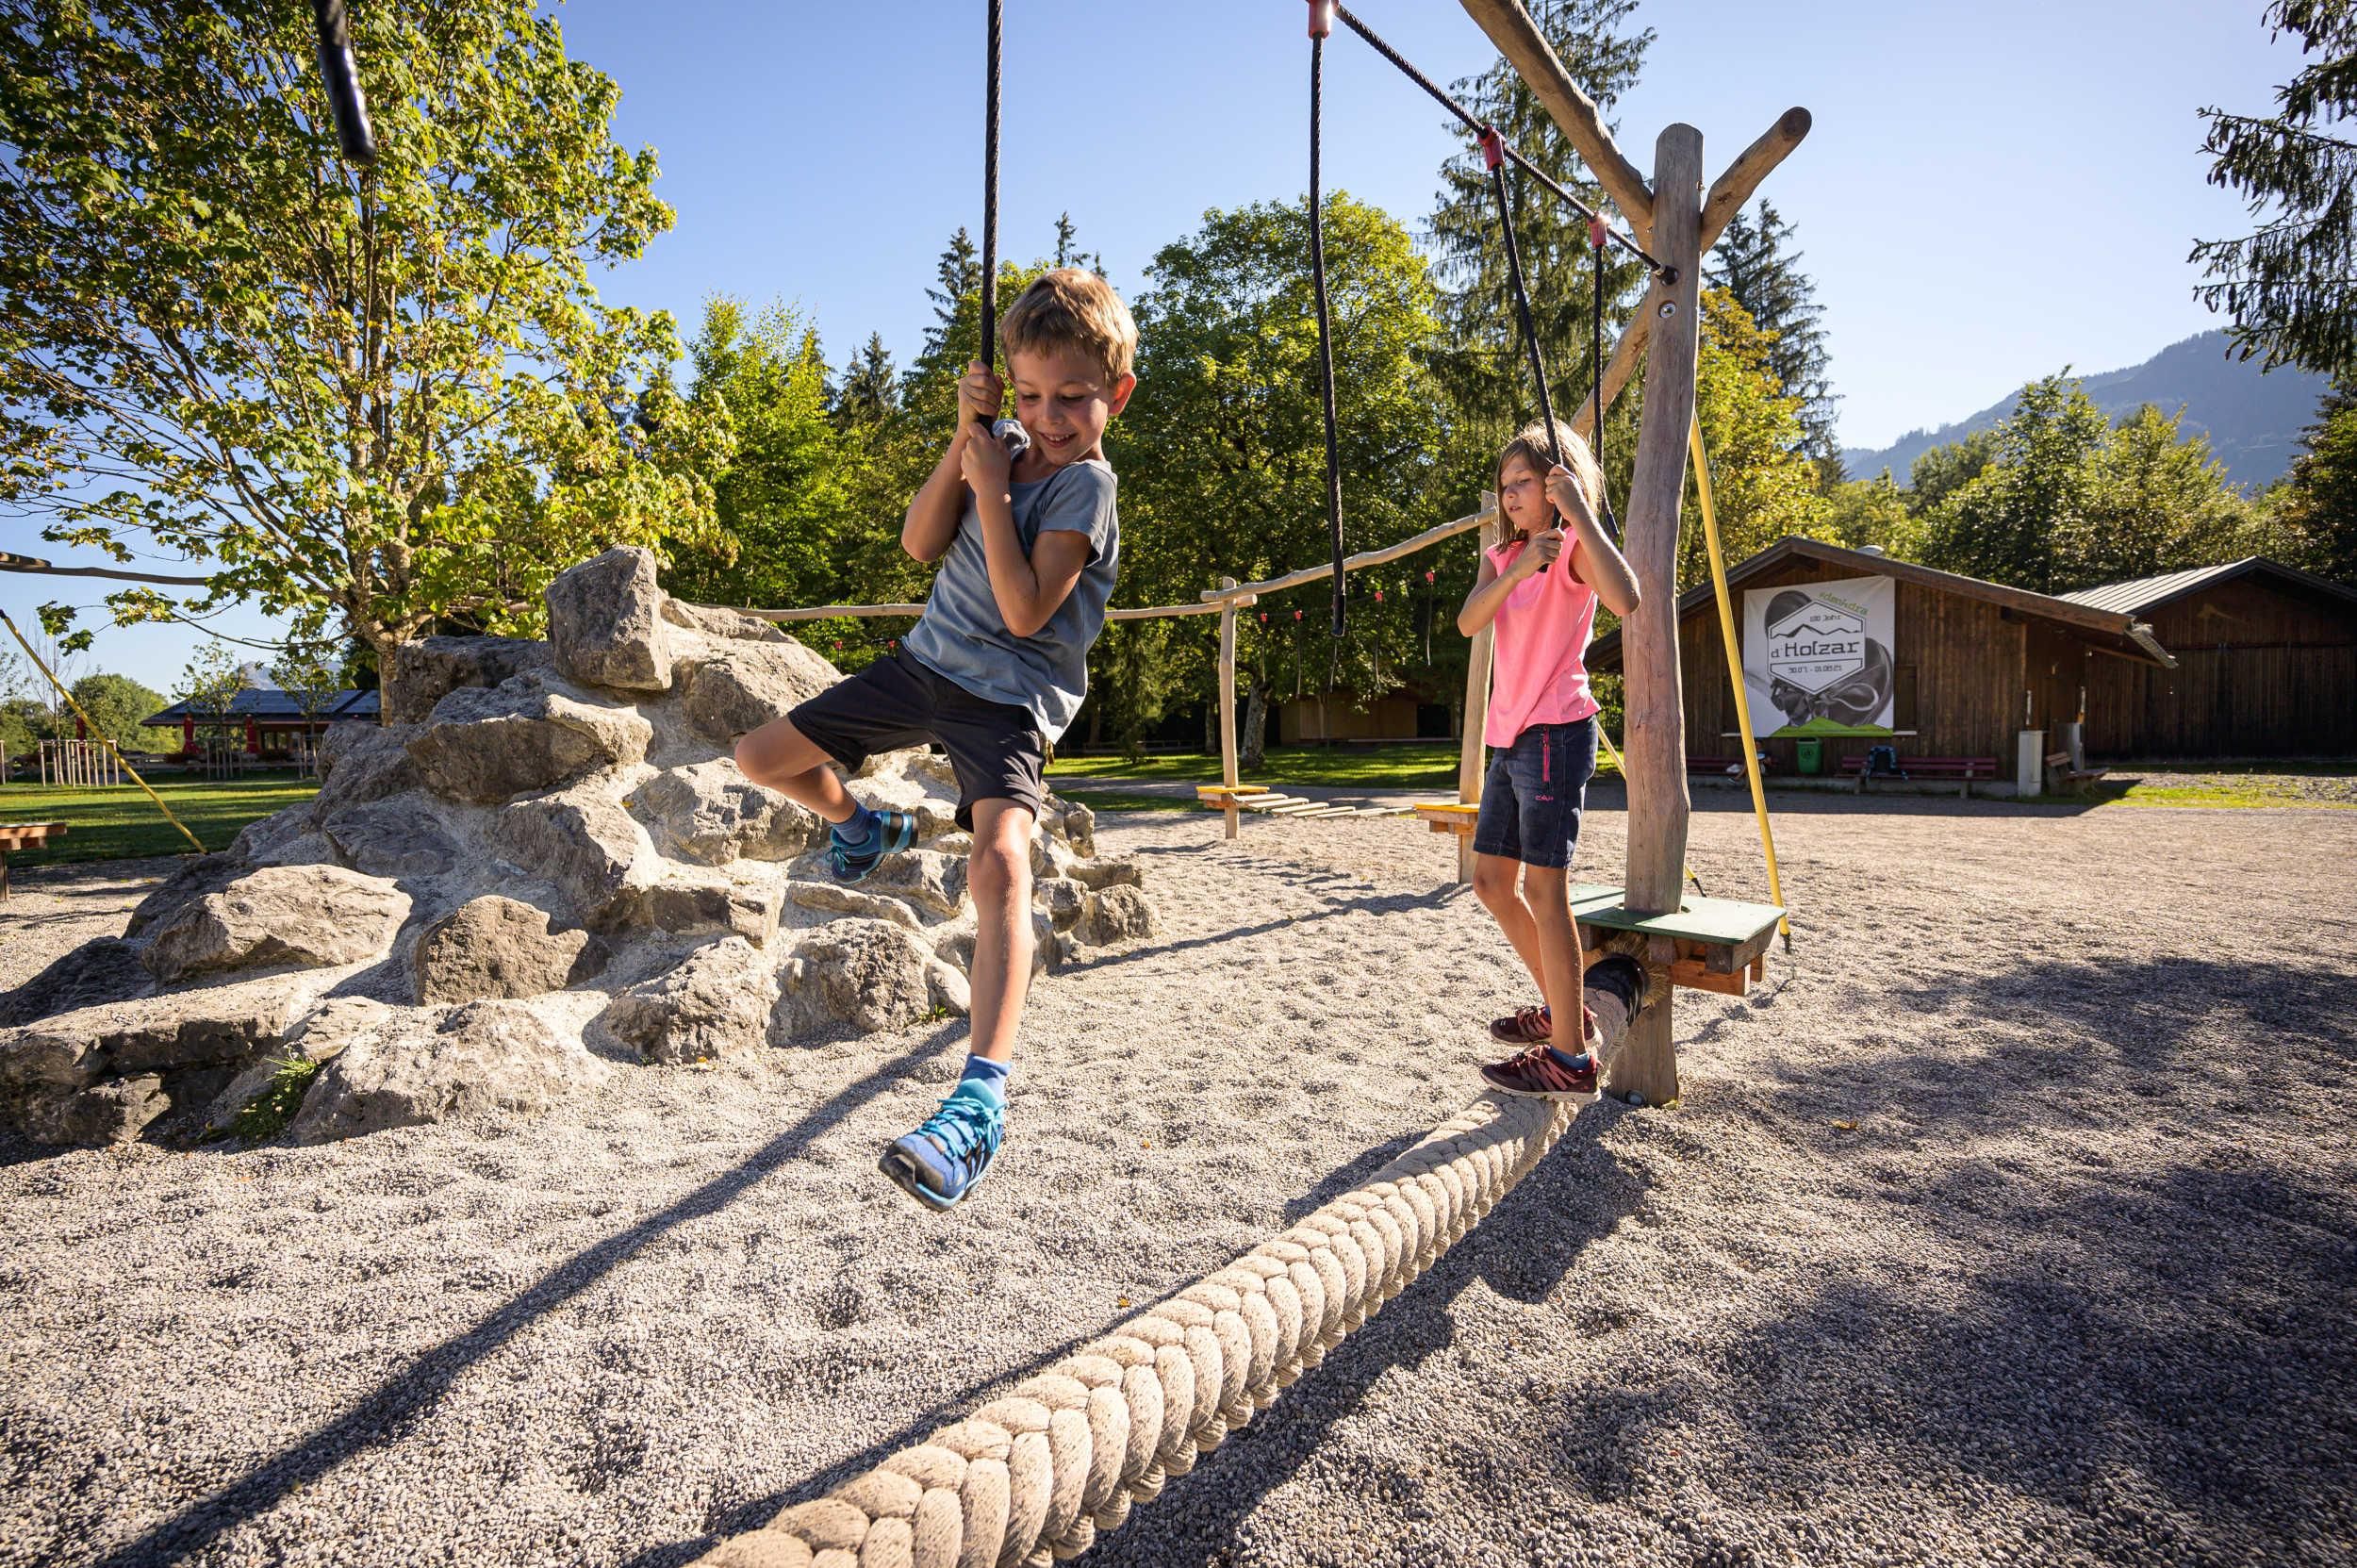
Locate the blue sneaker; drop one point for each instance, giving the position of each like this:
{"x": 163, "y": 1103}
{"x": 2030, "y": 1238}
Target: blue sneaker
{"x": 894, "y": 831}
{"x": 947, "y": 1157}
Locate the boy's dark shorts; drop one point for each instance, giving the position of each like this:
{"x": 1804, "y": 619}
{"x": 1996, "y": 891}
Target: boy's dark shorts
{"x": 1531, "y": 800}
{"x": 996, "y": 748}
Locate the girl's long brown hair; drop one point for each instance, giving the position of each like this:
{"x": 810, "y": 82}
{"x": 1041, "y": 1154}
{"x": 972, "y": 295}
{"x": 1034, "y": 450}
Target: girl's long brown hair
{"x": 1530, "y": 445}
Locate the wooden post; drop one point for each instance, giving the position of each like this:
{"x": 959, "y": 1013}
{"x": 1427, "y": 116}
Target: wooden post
{"x": 1227, "y": 708}
{"x": 1471, "y": 763}
{"x": 1646, "y": 1062}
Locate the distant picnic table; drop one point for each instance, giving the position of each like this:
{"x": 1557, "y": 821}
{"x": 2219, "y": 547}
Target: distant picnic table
{"x": 23, "y": 835}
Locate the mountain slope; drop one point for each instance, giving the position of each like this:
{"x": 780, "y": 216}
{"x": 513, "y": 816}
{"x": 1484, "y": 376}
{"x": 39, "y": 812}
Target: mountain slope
{"x": 2253, "y": 420}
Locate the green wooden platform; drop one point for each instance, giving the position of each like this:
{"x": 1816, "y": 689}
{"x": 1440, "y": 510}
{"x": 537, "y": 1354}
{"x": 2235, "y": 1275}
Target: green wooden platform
{"x": 1715, "y": 922}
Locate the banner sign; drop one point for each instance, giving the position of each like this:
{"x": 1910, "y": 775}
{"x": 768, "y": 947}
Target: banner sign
{"x": 1820, "y": 654}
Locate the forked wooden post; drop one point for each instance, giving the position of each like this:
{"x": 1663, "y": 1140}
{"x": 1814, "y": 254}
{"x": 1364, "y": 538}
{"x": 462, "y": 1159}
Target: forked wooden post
{"x": 1646, "y": 1061}
{"x": 1470, "y": 758}
{"x": 1227, "y": 708}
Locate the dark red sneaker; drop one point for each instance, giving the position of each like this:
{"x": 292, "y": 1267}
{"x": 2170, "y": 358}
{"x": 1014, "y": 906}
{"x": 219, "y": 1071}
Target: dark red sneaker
{"x": 1537, "y": 1075}
{"x": 1535, "y": 1025}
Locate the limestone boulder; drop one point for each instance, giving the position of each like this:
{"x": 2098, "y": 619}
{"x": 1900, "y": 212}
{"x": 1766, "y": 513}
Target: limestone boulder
{"x": 1103, "y": 871}
{"x": 713, "y": 621}
{"x": 189, "y": 880}
{"x": 869, "y": 974}
{"x": 838, "y": 900}
{"x": 484, "y": 1058}
{"x": 699, "y": 901}
{"x": 312, "y": 915}
{"x": 104, "y": 970}
{"x": 360, "y": 763}
{"x": 743, "y": 685}
{"x": 208, "y": 1027}
{"x": 1118, "y": 914}
{"x": 583, "y": 842}
{"x": 495, "y": 946}
{"x": 392, "y": 838}
{"x": 1064, "y": 899}
{"x": 489, "y": 747}
{"x": 711, "y": 813}
{"x": 111, "y": 1112}
{"x": 261, "y": 840}
{"x": 606, "y": 626}
{"x": 933, "y": 881}
{"x": 715, "y": 1001}
{"x": 429, "y": 670}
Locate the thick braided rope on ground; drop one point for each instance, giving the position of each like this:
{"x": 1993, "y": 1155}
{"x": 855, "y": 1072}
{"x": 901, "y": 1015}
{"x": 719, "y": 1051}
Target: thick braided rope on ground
{"x": 1033, "y": 1475}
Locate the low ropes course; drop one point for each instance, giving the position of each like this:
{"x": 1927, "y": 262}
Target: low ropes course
{"x": 1035, "y": 1475}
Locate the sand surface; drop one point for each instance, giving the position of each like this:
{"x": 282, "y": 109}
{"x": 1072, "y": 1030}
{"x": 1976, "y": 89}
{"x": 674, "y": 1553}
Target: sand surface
{"x": 2012, "y": 1224}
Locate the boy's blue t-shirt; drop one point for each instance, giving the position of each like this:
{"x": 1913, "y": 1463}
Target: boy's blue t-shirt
{"x": 964, "y": 638}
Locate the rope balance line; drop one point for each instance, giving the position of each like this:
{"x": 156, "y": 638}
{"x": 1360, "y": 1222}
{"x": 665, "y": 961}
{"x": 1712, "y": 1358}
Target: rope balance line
{"x": 1034, "y": 1476}
{"x": 104, "y": 739}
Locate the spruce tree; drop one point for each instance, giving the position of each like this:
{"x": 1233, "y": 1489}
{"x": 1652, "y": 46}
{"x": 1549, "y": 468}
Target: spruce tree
{"x": 2291, "y": 284}
{"x": 871, "y": 387}
{"x": 958, "y": 273}
{"x": 1482, "y": 364}
{"x": 1755, "y": 261}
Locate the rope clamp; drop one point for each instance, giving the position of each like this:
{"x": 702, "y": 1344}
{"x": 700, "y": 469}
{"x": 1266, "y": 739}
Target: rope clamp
{"x": 1493, "y": 147}
{"x": 1321, "y": 18}
{"x": 1596, "y": 231}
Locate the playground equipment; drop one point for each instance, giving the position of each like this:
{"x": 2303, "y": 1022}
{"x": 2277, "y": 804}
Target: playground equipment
{"x": 71, "y": 764}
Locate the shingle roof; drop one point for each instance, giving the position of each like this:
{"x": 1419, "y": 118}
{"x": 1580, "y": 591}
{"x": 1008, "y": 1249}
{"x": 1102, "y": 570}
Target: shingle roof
{"x": 268, "y": 704}
{"x": 2139, "y": 594}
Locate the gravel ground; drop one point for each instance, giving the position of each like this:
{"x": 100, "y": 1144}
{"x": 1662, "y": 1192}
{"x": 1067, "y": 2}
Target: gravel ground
{"x": 2010, "y": 1223}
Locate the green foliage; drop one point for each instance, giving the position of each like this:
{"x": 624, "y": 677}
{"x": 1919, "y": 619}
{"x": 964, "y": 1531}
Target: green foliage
{"x": 310, "y": 673}
{"x": 388, "y": 397}
{"x": 266, "y": 1116}
{"x": 116, "y": 703}
{"x": 2315, "y": 513}
{"x": 1863, "y": 512}
{"x": 2291, "y": 284}
{"x": 209, "y": 684}
{"x": 2054, "y": 498}
{"x": 1755, "y": 261}
{"x": 1480, "y": 359}
{"x": 785, "y": 502}
{"x": 1762, "y": 480}
{"x": 1222, "y": 451}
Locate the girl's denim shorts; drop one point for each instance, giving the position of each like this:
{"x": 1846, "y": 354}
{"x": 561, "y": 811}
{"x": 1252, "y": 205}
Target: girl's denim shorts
{"x": 1531, "y": 803}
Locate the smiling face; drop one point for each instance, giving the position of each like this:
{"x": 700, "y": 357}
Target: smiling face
{"x": 1064, "y": 399}
{"x": 1523, "y": 496}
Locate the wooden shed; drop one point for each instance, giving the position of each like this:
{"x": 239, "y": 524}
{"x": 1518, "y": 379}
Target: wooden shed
{"x": 1969, "y": 663}
{"x": 2266, "y": 665}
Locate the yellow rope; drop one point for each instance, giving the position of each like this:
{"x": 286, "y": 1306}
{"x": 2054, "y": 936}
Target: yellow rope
{"x": 1734, "y": 672}
{"x": 104, "y": 738}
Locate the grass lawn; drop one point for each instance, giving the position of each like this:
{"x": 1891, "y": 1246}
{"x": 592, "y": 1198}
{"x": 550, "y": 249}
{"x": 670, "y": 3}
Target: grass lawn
{"x": 2327, "y": 786}
{"x": 1422, "y": 765}
{"x": 121, "y": 824}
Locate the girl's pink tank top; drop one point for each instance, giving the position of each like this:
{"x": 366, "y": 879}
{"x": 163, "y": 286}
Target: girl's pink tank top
{"x": 1539, "y": 661}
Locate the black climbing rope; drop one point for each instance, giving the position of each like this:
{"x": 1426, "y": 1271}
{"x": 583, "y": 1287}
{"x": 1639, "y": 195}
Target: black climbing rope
{"x": 1321, "y": 24}
{"x": 1493, "y": 153}
{"x": 989, "y": 355}
{"x": 345, "y": 103}
{"x": 1596, "y": 232}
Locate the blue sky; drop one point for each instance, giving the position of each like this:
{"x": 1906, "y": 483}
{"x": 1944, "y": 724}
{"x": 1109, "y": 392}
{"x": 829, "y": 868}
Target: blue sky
{"x": 1990, "y": 192}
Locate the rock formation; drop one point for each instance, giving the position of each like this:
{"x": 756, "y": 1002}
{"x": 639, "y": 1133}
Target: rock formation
{"x": 542, "y": 865}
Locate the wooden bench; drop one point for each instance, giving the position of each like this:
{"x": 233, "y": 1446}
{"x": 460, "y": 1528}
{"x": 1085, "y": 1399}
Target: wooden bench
{"x": 24, "y": 835}
{"x": 1713, "y": 764}
{"x": 1449, "y": 816}
{"x": 2059, "y": 770}
{"x": 1964, "y": 769}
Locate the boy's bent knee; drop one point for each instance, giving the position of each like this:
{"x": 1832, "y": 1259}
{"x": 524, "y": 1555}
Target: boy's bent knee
{"x": 776, "y": 752}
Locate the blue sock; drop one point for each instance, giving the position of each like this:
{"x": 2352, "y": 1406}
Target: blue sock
{"x": 990, "y": 1075}
{"x": 857, "y": 829}
{"x": 1580, "y": 1063}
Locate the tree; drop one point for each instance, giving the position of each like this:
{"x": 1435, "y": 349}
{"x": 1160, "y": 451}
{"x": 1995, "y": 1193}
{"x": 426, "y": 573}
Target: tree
{"x": 2291, "y": 284}
{"x": 1222, "y": 451}
{"x": 1939, "y": 473}
{"x": 2160, "y": 503}
{"x": 312, "y": 676}
{"x": 1860, "y": 512}
{"x": 209, "y": 685}
{"x": 782, "y": 502}
{"x": 116, "y": 704}
{"x": 870, "y": 392}
{"x": 1480, "y": 359}
{"x": 1755, "y": 261}
{"x": 1763, "y": 485}
{"x": 958, "y": 273}
{"x": 387, "y": 397}
{"x": 2314, "y": 523}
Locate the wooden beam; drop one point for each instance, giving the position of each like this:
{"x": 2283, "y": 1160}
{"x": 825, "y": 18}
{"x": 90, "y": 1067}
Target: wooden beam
{"x": 1646, "y": 1062}
{"x": 1729, "y": 193}
{"x": 1534, "y": 60}
{"x": 1408, "y": 546}
{"x": 1227, "y": 702}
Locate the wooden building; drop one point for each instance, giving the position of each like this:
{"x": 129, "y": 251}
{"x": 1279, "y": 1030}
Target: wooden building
{"x": 266, "y": 723}
{"x": 2266, "y": 665}
{"x": 1971, "y": 665}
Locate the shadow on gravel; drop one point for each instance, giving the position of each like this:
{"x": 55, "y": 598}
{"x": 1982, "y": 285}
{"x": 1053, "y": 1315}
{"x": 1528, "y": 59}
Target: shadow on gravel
{"x": 388, "y": 1413}
{"x": 1372, "y": 904}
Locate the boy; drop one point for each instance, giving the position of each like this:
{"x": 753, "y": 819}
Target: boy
{"x": 994, "y": 671}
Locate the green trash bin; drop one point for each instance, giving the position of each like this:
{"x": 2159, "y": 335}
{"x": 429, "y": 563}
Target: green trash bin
{"x": 1808, "y": 756}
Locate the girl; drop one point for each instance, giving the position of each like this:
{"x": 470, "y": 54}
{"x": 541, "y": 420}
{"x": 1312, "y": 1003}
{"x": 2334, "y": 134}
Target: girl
{"x": 1541, "y": 597}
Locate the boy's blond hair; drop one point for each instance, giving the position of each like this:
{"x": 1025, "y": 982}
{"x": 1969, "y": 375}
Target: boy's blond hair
{"x": 1530, "y": 445}
{"x": 1072, "y": 309}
